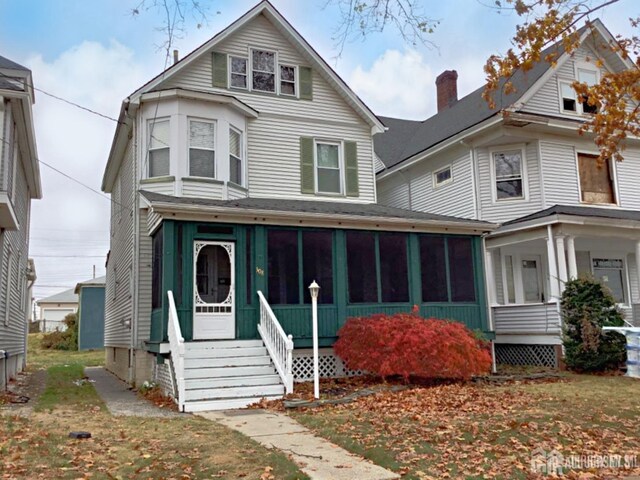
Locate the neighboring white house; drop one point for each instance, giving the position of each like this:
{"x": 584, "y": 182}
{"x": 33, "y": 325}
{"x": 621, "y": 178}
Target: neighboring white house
{"x": 524, "y": 165}
{"x": 19, "y": 183}
{"x": 53, "y": 309}
{"x": 238, "y": 176}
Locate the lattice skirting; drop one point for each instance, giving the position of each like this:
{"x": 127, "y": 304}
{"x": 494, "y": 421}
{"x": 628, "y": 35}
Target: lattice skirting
{"x": 163, "y": 376}
{"x": 543, "y": 355}
{"x": 328, "y": 363}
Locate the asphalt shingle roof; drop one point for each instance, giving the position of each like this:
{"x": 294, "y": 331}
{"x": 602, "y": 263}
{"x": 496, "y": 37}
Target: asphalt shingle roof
{"x": 406, "y": 138}
{"x": 305, "y": 206}
{"x": 6, "y": 63}
{"x": 579, "y": 211}
{"x": 68, "y": 296}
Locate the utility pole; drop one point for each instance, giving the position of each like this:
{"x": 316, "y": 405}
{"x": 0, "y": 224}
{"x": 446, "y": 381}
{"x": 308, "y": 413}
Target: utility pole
{"x": 94, "y": 272}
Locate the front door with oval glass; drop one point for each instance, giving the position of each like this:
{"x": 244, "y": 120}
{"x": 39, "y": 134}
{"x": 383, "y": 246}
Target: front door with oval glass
{"x": 214, "y": 282}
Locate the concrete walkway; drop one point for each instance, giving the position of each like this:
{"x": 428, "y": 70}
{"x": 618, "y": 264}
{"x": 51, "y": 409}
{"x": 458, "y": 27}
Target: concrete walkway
{"x": 120, "y": 400}
{"x": 317, "y": 457}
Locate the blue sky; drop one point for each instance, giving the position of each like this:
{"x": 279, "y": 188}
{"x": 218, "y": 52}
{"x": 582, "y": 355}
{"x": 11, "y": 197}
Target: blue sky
{"x": 94, "y": 52}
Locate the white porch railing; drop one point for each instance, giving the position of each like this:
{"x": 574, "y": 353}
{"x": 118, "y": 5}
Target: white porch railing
{"x": 176, "y": 343}
{"x": 279, "y": 345}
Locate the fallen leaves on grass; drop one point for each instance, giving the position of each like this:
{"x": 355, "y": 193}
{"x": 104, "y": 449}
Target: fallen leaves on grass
{"x": 158, "y": 398}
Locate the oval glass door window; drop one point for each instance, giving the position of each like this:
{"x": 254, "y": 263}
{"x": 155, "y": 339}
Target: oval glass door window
{"x": 213, "y": 274}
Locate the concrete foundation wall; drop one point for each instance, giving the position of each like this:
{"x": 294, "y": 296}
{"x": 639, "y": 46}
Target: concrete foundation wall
{"x": 9, "y": 368}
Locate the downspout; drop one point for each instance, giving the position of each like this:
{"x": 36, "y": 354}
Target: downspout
{"x": 408, "y": 182}
{"x": 135, "y": 256}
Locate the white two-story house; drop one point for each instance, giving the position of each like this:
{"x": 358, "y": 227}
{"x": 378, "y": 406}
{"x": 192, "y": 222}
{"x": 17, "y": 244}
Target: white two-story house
{"x": 523, "y": 165}
{"x": 19, "y": 184}
{"x": 239, "y": 176}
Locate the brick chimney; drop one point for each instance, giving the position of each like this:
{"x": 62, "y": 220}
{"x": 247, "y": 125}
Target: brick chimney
{"x": 447, "y": 88}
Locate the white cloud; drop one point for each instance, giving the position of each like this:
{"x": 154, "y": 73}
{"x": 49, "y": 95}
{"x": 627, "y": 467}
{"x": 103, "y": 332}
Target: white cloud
{"x": 398, "y": 84}
{"x": 71, "y": 220}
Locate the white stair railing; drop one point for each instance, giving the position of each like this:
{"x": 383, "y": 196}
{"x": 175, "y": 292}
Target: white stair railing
{"x": 176, "y": 343}
{"x": 279, "y": 345}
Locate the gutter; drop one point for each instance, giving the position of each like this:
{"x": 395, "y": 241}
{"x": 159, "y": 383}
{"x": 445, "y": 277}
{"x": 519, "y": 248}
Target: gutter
{"x": 253, "y": 216}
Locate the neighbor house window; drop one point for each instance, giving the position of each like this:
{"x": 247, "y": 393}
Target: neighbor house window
{"x": 569, "y": 103}
{"x": 235, "y": 156}
{"x": 447, "y": 269}
{"x": 377, "y": 268}
{"x": 238, "y": 72}
{"x": 596, "y": 180}
{"x": 288, "y": 80}
{"x": 159, "y": 149}
{"x": 202, "y": 155}
{"x": 609, "y": 271}
{"x": 263, "y": 71}
{"x": 442, "y": 176}
{"x": 508, "y": 171}
{"x": 328, "y": 167}
{"x": 590, "y": 77}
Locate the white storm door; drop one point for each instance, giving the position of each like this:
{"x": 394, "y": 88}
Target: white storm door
{"x": 213, "y": 290}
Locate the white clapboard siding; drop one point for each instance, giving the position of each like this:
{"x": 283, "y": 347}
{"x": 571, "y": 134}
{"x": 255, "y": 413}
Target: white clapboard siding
{"x": 454, "y": 198}
{"x": 560, "y": 174}
{"x": 327, "y": 104}
{"x": 165, "y": 188}
{"x": 537, "y": 318}
{"x": 202, "y": 189}
{"x": 501, "y": 211}
{"x": 145, "y": 262}
{"x": 393, "y": 191}
{"x": 628, "y": 178}
{"x": 118, "y": 295}
{"x": 12, "y": 295}
{"x": 546, "y": 100}
{"x": 234, "y": 193}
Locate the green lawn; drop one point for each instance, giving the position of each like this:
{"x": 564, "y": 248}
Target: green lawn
{"x": 487, "y": 431}
{"x": 39, "y": 358}
{"x": 186, "y": 447}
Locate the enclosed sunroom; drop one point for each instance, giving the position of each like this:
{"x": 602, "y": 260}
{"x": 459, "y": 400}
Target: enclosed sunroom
{"x": 235, "y": 274}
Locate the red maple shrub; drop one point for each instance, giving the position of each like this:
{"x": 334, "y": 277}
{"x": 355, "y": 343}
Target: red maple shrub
{"x": 406, "y": 344}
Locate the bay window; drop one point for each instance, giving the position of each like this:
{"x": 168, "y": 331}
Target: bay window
{"x": 235, "y": 156}
{"x": 202, "y": 149}
{"x": 159, "y": 149}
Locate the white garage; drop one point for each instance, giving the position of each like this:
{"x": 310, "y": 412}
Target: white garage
{"x": 53, "y": 309}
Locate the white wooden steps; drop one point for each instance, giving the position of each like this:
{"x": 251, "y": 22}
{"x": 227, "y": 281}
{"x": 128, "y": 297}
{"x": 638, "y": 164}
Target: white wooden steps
{"x": 227, "y": 374}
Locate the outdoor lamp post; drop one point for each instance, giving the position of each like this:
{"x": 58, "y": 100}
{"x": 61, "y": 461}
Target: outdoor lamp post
{"x": 314, "y": 289}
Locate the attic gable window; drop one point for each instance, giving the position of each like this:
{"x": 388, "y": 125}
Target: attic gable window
{"x": 263, "y": 71}
{"x": 569, "y": 103}
{"x": 288, "y": 80}
{"x": 238, "y": 72}
{"x": 590, "y": 77}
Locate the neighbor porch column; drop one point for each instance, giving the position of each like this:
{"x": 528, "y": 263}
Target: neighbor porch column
{"x": 571, "y": 258}
{"x": 562, "y": 262}
{"x": 491, "y": 279}
{"x": 553, "y": 269}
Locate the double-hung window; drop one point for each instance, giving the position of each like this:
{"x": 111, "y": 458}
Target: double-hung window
{"x": 159, "y": 149}
{"x": 202, "y": 155}
{"x": 263, "y": 71}
{"x": 235, "y": 156}
{"x": 288, "y": 80}
{"x": 238, "y": 72}
{"x": 590, "y": 77}
{"x": 328, "y": 167}
{"x": 568, "y": 94}
{"x": 509, "y": 174}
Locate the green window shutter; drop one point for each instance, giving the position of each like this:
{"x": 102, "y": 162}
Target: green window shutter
{"x": 307, "y": 173}
{"x": 219, "y": 61}
{"x": 351, "y": 164}
{"x": 306, "y": 83}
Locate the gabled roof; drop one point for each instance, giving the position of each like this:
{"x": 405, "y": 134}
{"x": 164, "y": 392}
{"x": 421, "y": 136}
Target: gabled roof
{"x": 270, "y": 12}
{"x": 336, "y": 213}
{"x": 94, "y": 282}
{"x": 406, "y": 138}
{"x": 11, "y": 65}
{"x": 68, "y": 296}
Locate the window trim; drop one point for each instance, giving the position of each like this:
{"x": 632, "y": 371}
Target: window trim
{"x": 340, "y": 145}
{"x": 523, "y": 174}
{"x": 242, "y": 157}
{"x": 437, "y": 184}
{"x": 150, "y": 122}
{"x": 561, "y": 98}
{"x": 214, "y": 149}
{"x": 614, "y": 171}
{"x": 296, "y": 82}
{"x": 276, "y": 73}
{"x": 626, "y": 280}
{"x": 230, "y": 72}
